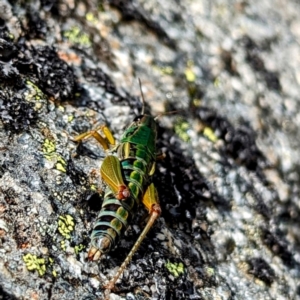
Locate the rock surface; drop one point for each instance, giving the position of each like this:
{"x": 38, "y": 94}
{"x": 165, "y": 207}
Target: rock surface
{"x": 229, "y": 184}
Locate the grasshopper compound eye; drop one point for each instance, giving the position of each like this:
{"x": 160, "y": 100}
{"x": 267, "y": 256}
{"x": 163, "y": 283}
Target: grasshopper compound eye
{"x": 138, "y": 118}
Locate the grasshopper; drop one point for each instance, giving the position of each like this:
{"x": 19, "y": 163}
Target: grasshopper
{"x": 127, "y": 172}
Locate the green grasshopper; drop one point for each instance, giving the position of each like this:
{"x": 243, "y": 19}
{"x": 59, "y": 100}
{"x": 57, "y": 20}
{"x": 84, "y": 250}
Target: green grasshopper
{"x": 127, "y": 172}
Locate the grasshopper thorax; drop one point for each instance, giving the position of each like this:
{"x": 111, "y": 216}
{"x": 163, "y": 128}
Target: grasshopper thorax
{"x": 142, "y": 131}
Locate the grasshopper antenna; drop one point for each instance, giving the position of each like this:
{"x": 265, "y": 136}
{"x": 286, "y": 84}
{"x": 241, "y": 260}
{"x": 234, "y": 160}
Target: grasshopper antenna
{"x": 166, "y": 113}
{"x": 143, "y": 99}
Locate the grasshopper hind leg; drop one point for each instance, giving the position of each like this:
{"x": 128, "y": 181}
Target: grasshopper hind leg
{"x": 151, "y": 202}
{"x": 111, "y": 173}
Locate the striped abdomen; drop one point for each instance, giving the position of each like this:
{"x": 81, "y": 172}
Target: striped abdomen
{"x": 115, "y": 215}
{"x": 112, "y": 221}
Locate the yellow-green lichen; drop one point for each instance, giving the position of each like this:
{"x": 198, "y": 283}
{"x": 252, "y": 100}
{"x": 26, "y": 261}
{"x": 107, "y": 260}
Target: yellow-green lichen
{"x": 181, "y": 129}
{"x": 210, "y": 271}
{"x": 33, "y": 263}
{"x": 49, "y": 150}
{"x": 61, "y": 164}
{"x": 217, "y": 82}
{"x": 189, "y": 72}
{"x": 91, "y": 18}
{"x": 93, "y": 187}
{"x": 61, "y": 108}
{"x": 165, "y": 70}
{"x": 176, "y": 269}
{"x": 33, "y": 93}
{"x": 197, "y": 102}
{"x": 51, "y": 266}
{"x": 66, "y": 225}
{"x": 209, "y": 133}
{"x": 63, "y": 245}
{"x": 76, "y": 36}
{"x": 79, "y": 248}
{"x": 70, "y": 118}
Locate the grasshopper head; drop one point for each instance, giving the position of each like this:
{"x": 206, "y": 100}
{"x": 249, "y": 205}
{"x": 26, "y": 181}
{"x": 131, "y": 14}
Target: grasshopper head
{"x": 142, "y": 131}
{"x": 145, "y": 120}
{"x": 140, "y": 124}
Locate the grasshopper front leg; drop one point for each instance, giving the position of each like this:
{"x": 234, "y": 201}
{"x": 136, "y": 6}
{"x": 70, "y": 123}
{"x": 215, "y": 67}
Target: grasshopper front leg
{"x": 151, "y": 202}
{"x": 104, "y": 141}
{"x": 111, "y": 168}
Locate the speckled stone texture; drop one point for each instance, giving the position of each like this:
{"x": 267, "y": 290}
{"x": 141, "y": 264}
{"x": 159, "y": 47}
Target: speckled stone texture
{"x": 229, "y": 182}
